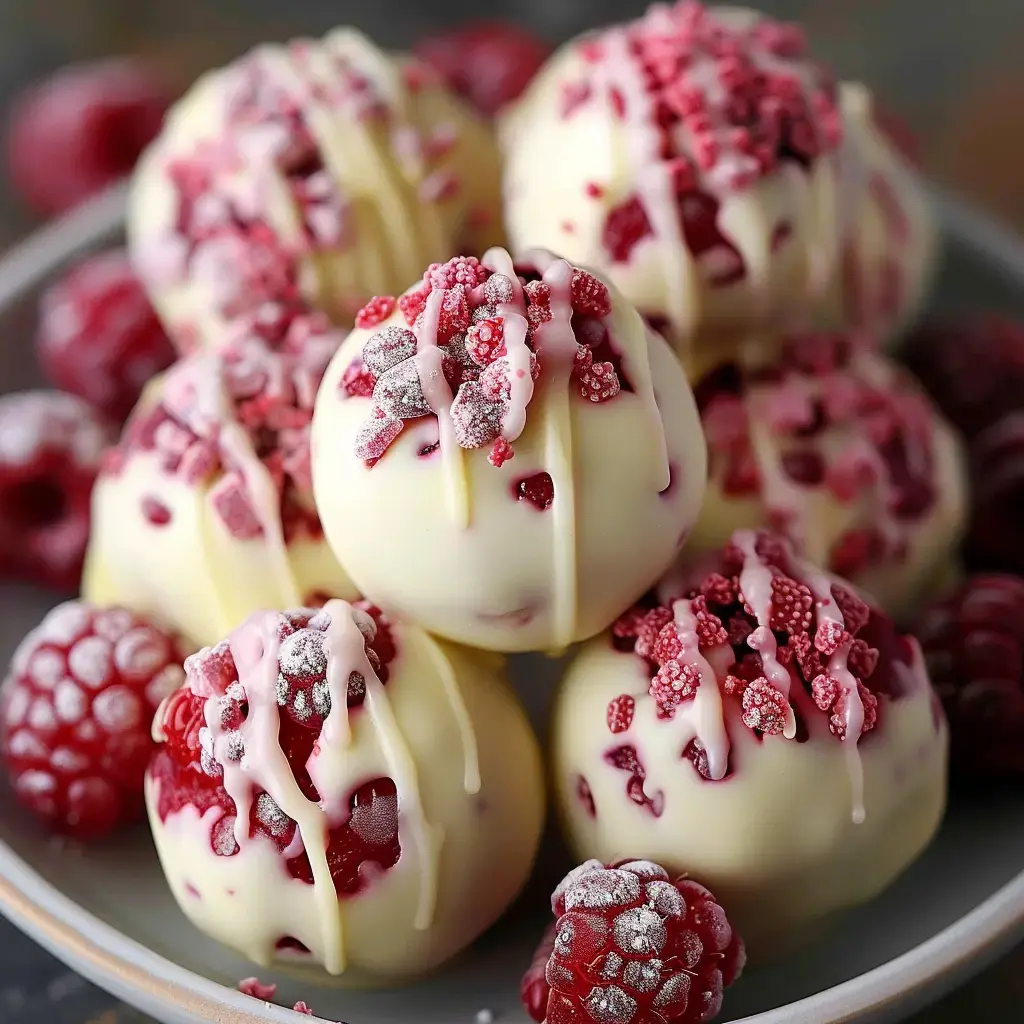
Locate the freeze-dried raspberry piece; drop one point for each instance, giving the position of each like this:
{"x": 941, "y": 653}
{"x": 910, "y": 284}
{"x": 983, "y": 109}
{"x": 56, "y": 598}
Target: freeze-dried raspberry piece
{"x": 398, "y": 392}
{"x": 376, "y": 311}
{"x": 485, "y": 341}
{"x": 620, "y": 713}
{"x": 387, "y": 348}
{"x": 590, "y": 297}
{"x": 376, "y": 435}
{"x": 476, "y": 415}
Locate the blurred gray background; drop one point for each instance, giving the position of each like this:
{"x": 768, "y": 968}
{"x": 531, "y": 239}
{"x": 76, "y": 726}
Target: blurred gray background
{"x": 951, "y": 68}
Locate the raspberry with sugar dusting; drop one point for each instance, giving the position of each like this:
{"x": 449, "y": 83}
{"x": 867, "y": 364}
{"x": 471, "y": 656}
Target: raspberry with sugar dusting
{"x": 973, "y": 641}
{"x": 98, "y": 336}
{"x": 76, "y": 709}
{"x": 631, "y": 946}
{"x": 51, "y": 446}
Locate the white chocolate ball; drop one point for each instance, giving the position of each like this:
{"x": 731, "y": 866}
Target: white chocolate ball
{"x": 465, "y": 810}
{"x": 319, "y": 172}
{"x": 840, "y": 449}
{"x": 504, "y": 557}
{"x": 795, "y": 830}
{"x": 197, "y": 520}
{"x": 592, "y": 155}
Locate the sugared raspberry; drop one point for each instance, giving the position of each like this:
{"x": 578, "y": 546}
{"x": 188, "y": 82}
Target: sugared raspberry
{"x": 357, "y": 381}
{"x": 460, "y": 270}
{"x": 972, "y": 368}
{"x": 51, "y": 445}
{"x": 589, "y": 295}
{"x": 630, "y": 946}
{"x": 596, "y": 382}
{"x": 197, "y": 744}
{"x": 620, "y": 713}
{"x": 973, "y": 642}
{"x": 489, "y": 63}
{"x": 485, "y": 341}
{"x": 99, "y": 338}
{"x": 81, "y": 130}
{"x": 76, "y": 713}
{"x": 377, "y": 310}
{"x": 764, "y": 707}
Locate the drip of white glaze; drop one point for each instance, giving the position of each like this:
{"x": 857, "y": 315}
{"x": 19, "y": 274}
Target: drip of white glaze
{"x": 217, "y": 415}
{"x": 438, "y": 396}
{"x": 653, "y": 177}
{"x": 827, "y": 612}
{"x": 756, "y": 584}
{"x": 517, "y": 357}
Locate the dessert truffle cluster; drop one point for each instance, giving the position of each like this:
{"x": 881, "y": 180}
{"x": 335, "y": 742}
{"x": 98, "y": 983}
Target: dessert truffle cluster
{"x": 661, "y": 433}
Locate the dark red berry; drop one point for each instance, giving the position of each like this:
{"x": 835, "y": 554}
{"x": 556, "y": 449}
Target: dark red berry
{"x": 99, "y": 338}
{"x": 81, "y": 130}
{"x": 995, "y": 537}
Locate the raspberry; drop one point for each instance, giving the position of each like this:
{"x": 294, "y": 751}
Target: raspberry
{"x": 357, "y": 381}
{"x": 972, "y": 368}
{"x": 648, "y": 629}
{"x": 620, "y": 713}
{"x": 590, "y": 296}
{"x": 973, "y": 642}
{"x": 672, "y": 684}
{"x": 764, "y": 708}
{"x": 376, "y": 311}
{"x": 76, "y": 709}
{"x": 189, "y": 765}
{"x": 630, "y": 946}
{"x": 413, "y": 303}
{"x": 710, "y": 631}
{"x": 994, "y": 534}
{"x": 489, "y": 63}
{"x": 597, "y": 382}
{"x": 51, "y": 446}
{"x": 79, "y": 131}
{"x": 538, "y": 490}
{"x": 485, "y": 341}
{"x": 461, "y": 270}
{"x": 501, "y": 451}
{"x": 625, "y": 227}
{"x": 99, "y": 338}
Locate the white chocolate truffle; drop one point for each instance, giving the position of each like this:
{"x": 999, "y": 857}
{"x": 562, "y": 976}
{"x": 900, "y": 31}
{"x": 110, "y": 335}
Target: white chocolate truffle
{"x": 333, "y": 790}
{"x": 319, "y": 172}
{"x": 838, "y": 448}
{"x": 791, "y": 754}
{"x": 594, "y": 476}
{"x": 204, "y": 512}
{"x": 703, "y": 161}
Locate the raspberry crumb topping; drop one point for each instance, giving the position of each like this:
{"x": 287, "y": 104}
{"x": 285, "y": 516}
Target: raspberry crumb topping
{"x": 76, "y": 709}
{"x": 631, "y": 946}
{"x": 781, "y": 641}
{"x": 51, "y": 446}
{"x": 477, "y": 337}
{"x": 198, "y": 763}
{"x": 232, "y": 419}
{"x": 99, "y": 337}
{"x": 973, "y": 642}
{"x": 841, "y": 421}
{"x": 730, "y": 97}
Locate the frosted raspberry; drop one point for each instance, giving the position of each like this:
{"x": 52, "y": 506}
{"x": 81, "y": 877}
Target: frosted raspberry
{"x": 629, "y": 946}
{"x": 719, "y": 590}
{"x": 648, "y": 629}
{"x": 398, "y": 392}
{"x": 76, "y": 712}
{"x": 625, "y": 227}
{"x": 792, "y": 605}
{"x": 51, "y": 446}
{"x": 597, "y": 382}
{"x": 620, "y": 713}
{"x": 376, "y": 311}
{"x": 501, "y": 451}
{"x": 357, "y": 381}
{"x": 485, "y": 341}
{"x": 829, "y": 637}
{"x": 862, "y": 659}
{"x": 973, "y": 642}
{"x": 413, "y": 303}
{"x": 462, "y": 270}
{"x": 489, "y": 63}
{"x": 672, "y": 684}
{"x": 710, "y": 631}
{"x": 98, "y": 337}
{"x": 376, "y": 435}
{"x": 854, "y": 609}
{"x": 590, "y": 297}
{"x": 189, "y": 766}
{"x": 454, "y": 316}
{"x": 81, "y": 130}
{"x": 764, "y": 707}
{"x": 476, "y": 416}
{"x": 667, "y": 646}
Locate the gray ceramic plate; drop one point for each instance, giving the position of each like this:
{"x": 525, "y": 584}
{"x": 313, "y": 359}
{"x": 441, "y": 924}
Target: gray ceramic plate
{"x": 106, "y": 912}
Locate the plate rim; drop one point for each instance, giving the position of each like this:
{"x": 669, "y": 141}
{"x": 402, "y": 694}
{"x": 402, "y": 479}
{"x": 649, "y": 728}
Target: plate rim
{"x": 118, "y": 963}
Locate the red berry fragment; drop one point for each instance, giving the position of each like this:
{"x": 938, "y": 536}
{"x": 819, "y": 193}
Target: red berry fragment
{"x": 51, "y": 445}
{"x": 973, "y": 642}
{"x": 257, "y": 989}
{"x": 76, "y": 711}
{"x": 377, "y": 310}
{"x": 489, "y": 63}
{"x": 81, "y": 130}
{"x": 99, "y": 338}
{"x": 620, "y": 713}
{"x": 630, "y": 946}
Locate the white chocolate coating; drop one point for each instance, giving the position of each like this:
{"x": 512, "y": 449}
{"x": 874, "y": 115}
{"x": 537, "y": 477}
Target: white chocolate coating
{"x": 564, "y": 173}
{"x": 408, "y": 175}
{"x": 919, "y": 553}
{"x": 467, "y": 768}
{"x": 192, "y": 573}
{"x": 443, "y": 541}
{"x": 775, "y": 840}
